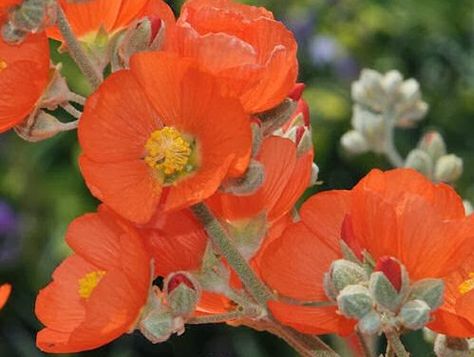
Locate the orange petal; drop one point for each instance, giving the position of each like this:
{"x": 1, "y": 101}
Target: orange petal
{"x": 5, "y": 291}
{"x": 23, "y": 78}
{"x": 278, "y": 157}
{"x": 324, "y": 213}
{"x": 113, "y": 130}
{"x": 294, "y": 264}
{"x": 59, "y": 305}
{"x": 298, "y": 183}
{"x": 127, "y": 187}
{"x": 310, "y": 320}
{"x": 176, "y": 240}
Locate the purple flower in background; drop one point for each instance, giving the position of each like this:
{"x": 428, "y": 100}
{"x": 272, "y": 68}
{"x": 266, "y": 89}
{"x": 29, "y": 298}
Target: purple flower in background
{"x": 9, "y": 242}
{"x": 8, "y": 220}
{"x": 302, "y": 25}
{"x": 324, "y": 50}
{"x": 327, "y": 51}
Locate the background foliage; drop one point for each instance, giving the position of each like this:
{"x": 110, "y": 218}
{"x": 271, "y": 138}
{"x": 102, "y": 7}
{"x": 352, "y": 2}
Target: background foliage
{"x": 41, "y": 189}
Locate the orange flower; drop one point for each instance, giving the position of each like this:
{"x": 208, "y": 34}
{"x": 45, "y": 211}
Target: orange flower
{"x": 96, "y": 294}
{"x": 397, "y": 214}
{"x": 87, "y": 18}
{"x": 5, "y": 291}
{"x": 24, "y": 76}
{"x": 161, "y": 133}
{"x": 254, "y": 55}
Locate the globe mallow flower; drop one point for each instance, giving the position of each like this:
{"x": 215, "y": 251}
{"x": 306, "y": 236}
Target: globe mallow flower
{"x": 393, "y": 250}
{"x": 161, "y": 135}
{"x": 97, "y": 294}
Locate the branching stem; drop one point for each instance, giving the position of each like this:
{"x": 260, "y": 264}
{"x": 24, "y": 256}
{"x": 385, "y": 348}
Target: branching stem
{"x": 76, "y": 50}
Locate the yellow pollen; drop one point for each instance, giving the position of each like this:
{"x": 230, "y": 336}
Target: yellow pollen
{"x": 467, "y": 285}
{"x": 167, "y": 151}
{"x": 3, "y": 65}
{"x": 88, "y": 283}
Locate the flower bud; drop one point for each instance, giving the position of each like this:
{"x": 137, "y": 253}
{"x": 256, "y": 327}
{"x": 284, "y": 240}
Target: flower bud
{"x": 146, "y": 34}
{"x": 182, "y": 292}
{"x": 391, "y": 82}
{"x": 420, "y": 161}
{"x": 11, "y": 34}
{"x": 354, "y": 301}
{"x": 257, "y": 138}
{"x": 368, "y": 90}
{"x": 370, "y": 324}
{"x": 448, "y": 168}
{"x": 354, "y": 142}
{"x": 430, "y": 291}
{"x": 446, "y": 346}
{"x": 274, "y": 118}
{"x": 156, "y": 322}
{"x": 384, "y": 292}
{"x": 415, "y": 314}
{"x": 247, "y": 184}
{"x": 344, "y": 272}
{"x": 433, "y": 144}
{"x": 371, "y": 126}
{"x": 30, "y": 15}
{"x": 157, "y": 326}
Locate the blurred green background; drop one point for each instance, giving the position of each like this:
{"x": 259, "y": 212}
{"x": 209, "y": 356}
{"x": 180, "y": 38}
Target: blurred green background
{"x": 41, "y": 189}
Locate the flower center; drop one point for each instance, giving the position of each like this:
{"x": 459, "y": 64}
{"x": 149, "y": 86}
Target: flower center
{"x": 88, "y": 283}
{"x": 169, "y": 152}
{"x": 3, "y": 65}
{"x": 467, "y": 285}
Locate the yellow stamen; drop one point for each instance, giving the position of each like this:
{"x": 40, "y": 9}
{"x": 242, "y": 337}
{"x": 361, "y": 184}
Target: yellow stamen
{"x": 467, "y": 285}
{"x": 167, "y": 151}
{"x": 3, "y": 65}
{"x": 88, "y": 283}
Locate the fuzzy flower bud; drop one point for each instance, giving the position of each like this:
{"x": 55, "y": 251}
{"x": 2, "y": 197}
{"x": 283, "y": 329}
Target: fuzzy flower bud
{"x": 384, "y": 293}
{"x": 433, "y": 144}
{"x": 274, "y": 119}
{"x": 354, "y": 142}
{"x": 146, "y": 34}
{"x": 420, "y": 161}
{"x": 448, "y": 168}
{"x": 370, "y": 324}
{"x": 430, "y": 291}
{"x": 343, "y": 273}
{"x": 354, "y": 301}
{"x": 415, "y": 314}
{"x": 183, "y": 293}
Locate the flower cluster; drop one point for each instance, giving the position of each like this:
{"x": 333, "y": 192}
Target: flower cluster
{"x": 197, "y": 141}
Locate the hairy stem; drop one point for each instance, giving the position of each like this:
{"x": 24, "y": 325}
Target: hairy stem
{"x": 219, "y": 318}
{"x": 76, "y": 51}
{"x": 396, "y": 344}
{"x": 390, "y": 150}
{"x": 364, "y": 343}
{"x": 71, "y": 110}
{"x": 225, "y": 246}
{"x": 305, "y": 345}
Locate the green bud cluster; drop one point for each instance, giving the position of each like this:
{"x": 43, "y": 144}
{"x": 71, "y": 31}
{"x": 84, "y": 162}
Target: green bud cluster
{"x": 382, "y": 102}
{"x": 370, "y": 297}
{"x": 432, "y": 160}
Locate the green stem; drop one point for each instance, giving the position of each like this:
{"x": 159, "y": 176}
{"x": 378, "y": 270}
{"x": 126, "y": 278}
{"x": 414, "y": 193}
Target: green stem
{"x": 365, "y": 345}
{"x": 393, "y": 339}
{"x": 219, "y": 318}
{"x": 390, "y": 150}
{"x": 225, "y": 246}
{"x": 76, "y": 51}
